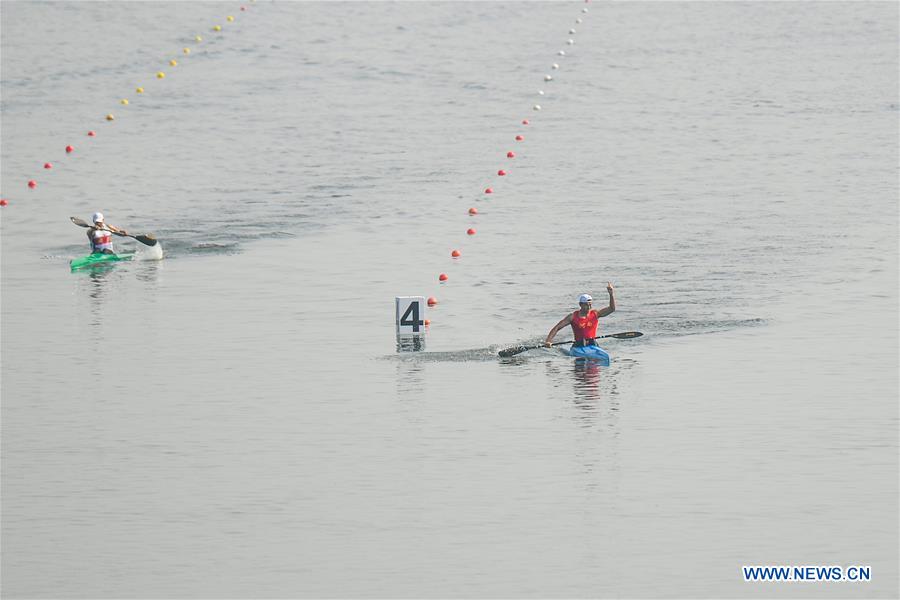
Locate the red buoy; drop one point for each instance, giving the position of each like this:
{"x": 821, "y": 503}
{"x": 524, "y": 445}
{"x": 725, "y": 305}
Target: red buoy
{"x": 519, "y": 138}
{"x": 501, "y": 172}
{"x": 473, "y": 211}
{"x": 48, "y": 166}
{"x": 70, "y": 149}
{"x": 510, "y": 154}
{"x": 92, "y": 133}
{"x": 431, "y": 300}
{"x": 489, "y": 191}
{"x": 455, "y": 254}
{"x": 524, "y": 121}
{"x": 443, "y": 277}
{"x": 3, "y": 202}
{"x": 427, "y": 322}
{"x": 470, "y": 231}
{"x": 32, "y": 183}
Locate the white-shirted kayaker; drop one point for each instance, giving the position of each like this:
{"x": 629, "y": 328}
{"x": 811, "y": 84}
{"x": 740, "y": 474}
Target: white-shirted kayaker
{"x": 584, "y": 321}
{"x": 100, "y": 234}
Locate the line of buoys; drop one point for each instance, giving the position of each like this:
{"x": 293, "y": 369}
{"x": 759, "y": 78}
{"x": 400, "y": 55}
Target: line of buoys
{"x": 456, "y": 253}
{"x": 32, "y": 183}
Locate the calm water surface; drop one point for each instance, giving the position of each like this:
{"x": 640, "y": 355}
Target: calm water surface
{"x": 233, "y": 421}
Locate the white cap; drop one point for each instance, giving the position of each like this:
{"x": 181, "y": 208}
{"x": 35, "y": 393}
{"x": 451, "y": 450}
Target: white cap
{"x": 97, "y": 218}
{"x": 584, "y": 298}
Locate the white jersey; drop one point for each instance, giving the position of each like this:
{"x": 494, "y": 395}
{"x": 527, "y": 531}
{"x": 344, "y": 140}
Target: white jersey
{"x": 101, "y": 240}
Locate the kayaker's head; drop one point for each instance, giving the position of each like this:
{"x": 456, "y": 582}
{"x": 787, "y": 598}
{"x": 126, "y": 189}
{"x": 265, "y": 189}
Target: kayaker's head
{"x": 97, "y": 218}
{"x": 584, "y": 301}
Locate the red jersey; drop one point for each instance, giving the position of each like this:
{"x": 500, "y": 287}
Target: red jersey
{"x": 585, "y": 328}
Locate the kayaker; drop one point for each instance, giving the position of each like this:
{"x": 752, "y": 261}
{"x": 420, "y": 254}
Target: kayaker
{"x": 584, "y": 321}
{"x": 99, "y": 234}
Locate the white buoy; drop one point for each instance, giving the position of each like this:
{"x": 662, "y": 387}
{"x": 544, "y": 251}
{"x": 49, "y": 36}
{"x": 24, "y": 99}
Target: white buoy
{"x": 578, "y": 20}
{"x": 537, "y": 107}
{"x": 540, "y": 92}
{"x": 548, "y": 78}
{"x": 584, "y": 10}
{"x": 562, "y": 52}
{"x": 555, "y": 66}
{"x": 571, "y": 32}
{"x": 570, "y": 42}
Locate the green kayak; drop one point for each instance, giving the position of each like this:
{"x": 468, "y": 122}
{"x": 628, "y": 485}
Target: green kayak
{"x": 98, "y": 258}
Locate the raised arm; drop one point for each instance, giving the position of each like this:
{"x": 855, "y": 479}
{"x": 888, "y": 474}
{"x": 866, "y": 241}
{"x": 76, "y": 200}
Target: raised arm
{"x": 612, "y": 302}
{"x": 566, "y": 321}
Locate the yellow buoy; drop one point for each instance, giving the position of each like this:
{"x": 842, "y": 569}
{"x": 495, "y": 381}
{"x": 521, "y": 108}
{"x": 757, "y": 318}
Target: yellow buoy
{"x": 140, "y": 90}
{"x": 198, "y": 38}
{"x": 124, "y": 101}
{"x": 160, "y": 75}
{"x": 217, "y": 28}
{"x": 173, "y": 62}
{"x": 187, "y": 50}
{"x": 230, "y": 19}
{"x": 110, "y": 117}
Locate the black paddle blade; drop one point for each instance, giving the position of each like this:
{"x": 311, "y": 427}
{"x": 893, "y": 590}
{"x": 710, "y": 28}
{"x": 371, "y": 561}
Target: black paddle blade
{"x": 626, "y": 335}
{"x": 146, "y": 239}
{"x": 513, "y": 351}
{"x": 79, "y": 222}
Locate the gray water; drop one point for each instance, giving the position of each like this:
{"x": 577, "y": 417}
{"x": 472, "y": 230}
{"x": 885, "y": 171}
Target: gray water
{"x": 233, "y": 421}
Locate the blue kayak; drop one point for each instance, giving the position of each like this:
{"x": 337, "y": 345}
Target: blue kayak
{"x": 594, "y": 353}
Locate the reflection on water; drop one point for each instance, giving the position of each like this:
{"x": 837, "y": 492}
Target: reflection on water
{"x": 410, "y": 378}
{"x": 587, "y": 381}
{"x": 103, "y": 280}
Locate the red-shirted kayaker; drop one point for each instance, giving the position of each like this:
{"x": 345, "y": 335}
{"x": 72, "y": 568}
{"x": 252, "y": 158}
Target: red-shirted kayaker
{"x": 584, "y": 321}
{"x": 101, "y": 235}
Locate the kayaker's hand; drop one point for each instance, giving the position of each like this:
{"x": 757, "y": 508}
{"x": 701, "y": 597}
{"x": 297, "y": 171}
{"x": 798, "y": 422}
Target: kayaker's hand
{"x": 609, "y": 287}
{"x": 123, "y": 232}
{"x": 547, "y": 344}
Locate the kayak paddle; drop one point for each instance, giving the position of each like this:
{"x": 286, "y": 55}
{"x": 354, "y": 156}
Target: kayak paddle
{"x": 626, "y": 335}
{"x": 149, "y": 240}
